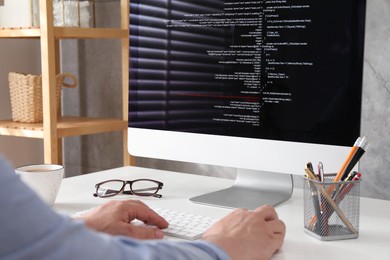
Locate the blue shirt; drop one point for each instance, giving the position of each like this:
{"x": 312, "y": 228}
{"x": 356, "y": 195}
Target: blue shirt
{"x": 29, "y": 229}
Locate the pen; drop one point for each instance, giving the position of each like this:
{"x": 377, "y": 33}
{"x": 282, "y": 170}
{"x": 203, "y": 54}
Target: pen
{"x": 309, "y": 166}
{"x": 321, "y": 171}
{"x": 323, "y": 207}
{"x": 337, "y": 190}
{"x": 349, "y": 177}
{"x": 317, "y": 225}
{"x": 347, "y": 188}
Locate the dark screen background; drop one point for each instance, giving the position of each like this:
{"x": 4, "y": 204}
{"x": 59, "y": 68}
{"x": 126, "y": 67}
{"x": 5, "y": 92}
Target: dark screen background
{"x": 281, "y": 70}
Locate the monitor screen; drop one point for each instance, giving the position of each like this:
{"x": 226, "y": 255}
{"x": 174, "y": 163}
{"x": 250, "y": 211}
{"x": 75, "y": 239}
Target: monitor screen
{"x": 260, "y": 85}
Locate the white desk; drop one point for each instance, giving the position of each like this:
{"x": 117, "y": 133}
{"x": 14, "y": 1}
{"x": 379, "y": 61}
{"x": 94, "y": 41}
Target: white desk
{"x": 373, "y": 242}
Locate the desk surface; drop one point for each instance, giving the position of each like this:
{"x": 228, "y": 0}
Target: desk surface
{"x": 374, "y": 232}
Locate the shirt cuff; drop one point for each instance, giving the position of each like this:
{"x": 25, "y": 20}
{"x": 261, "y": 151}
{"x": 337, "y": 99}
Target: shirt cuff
{"x": 208, "y": 246}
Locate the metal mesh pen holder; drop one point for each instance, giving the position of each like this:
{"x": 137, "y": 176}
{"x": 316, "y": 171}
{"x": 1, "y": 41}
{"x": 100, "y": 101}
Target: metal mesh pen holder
{"x": 331, "y": 209}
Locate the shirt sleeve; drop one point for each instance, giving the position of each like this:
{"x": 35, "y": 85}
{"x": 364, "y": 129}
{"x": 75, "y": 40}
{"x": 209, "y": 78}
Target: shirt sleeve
{"x": 29, "y": 229}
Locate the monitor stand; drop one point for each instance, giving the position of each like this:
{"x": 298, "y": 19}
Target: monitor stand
{"x": 251, "y": 190}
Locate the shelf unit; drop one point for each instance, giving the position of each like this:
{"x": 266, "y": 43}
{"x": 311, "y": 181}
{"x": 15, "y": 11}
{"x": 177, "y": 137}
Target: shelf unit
{"x": 52, "y": 130}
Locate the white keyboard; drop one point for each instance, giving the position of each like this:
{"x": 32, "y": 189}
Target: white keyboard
{"x": 183, "y": 225}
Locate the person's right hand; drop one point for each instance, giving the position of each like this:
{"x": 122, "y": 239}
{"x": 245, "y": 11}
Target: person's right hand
{"x": 248, "y": 235}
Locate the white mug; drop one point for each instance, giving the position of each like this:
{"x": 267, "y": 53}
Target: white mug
{"x": 44, "y": 179}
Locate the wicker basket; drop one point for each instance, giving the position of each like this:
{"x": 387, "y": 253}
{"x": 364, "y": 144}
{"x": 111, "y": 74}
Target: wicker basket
{"x": 26, "y": 95}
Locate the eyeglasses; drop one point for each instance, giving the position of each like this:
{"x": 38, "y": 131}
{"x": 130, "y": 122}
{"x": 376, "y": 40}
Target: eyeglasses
{"x": 139, "y": 187}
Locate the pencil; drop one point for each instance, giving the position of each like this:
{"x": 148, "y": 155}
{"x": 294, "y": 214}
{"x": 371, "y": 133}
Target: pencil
{"x": 347, "y": 161}
{"x": 362, "y": 147}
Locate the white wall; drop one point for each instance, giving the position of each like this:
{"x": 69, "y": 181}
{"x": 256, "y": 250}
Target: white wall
{"x": 21, "y": 13}
{"x": 18, "y": 55}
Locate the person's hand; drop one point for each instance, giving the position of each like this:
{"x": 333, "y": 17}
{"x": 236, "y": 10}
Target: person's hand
{"x": 248, "y": 235}
{"x": 114, "y": 218}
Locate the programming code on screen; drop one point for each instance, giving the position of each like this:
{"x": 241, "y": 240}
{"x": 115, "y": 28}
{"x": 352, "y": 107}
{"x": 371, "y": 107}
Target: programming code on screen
{"x": 280, "y": 69}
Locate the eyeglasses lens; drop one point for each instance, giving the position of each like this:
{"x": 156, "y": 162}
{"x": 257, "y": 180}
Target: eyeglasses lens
{"x": 109, "y": 188}
{"x": 144, "y": 188}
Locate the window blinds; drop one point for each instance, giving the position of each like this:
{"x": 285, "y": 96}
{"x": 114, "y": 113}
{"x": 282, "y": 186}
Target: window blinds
{"x": 172, "y": 77}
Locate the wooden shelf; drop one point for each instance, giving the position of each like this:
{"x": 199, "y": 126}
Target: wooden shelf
{"x": 52, "y": 130}
{"x": 65, "y": 33}
{"x": 66, "y": 126}
{"x": 20, "y": 32}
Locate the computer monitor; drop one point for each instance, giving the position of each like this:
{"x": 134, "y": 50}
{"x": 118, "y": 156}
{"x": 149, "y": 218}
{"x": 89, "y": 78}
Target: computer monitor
{"x": 262, "y": 86}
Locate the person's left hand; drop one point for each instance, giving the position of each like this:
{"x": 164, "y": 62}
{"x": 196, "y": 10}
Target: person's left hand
{"x": 114, "y": 218}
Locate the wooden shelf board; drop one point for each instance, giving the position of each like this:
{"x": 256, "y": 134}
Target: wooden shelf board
{"x": 68, "y": 126}
{"x": 72, "y": 126}
{"x": 30, "y": 32}
{"x": 88, "y": 33}
{"x": 65, "y": 33}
